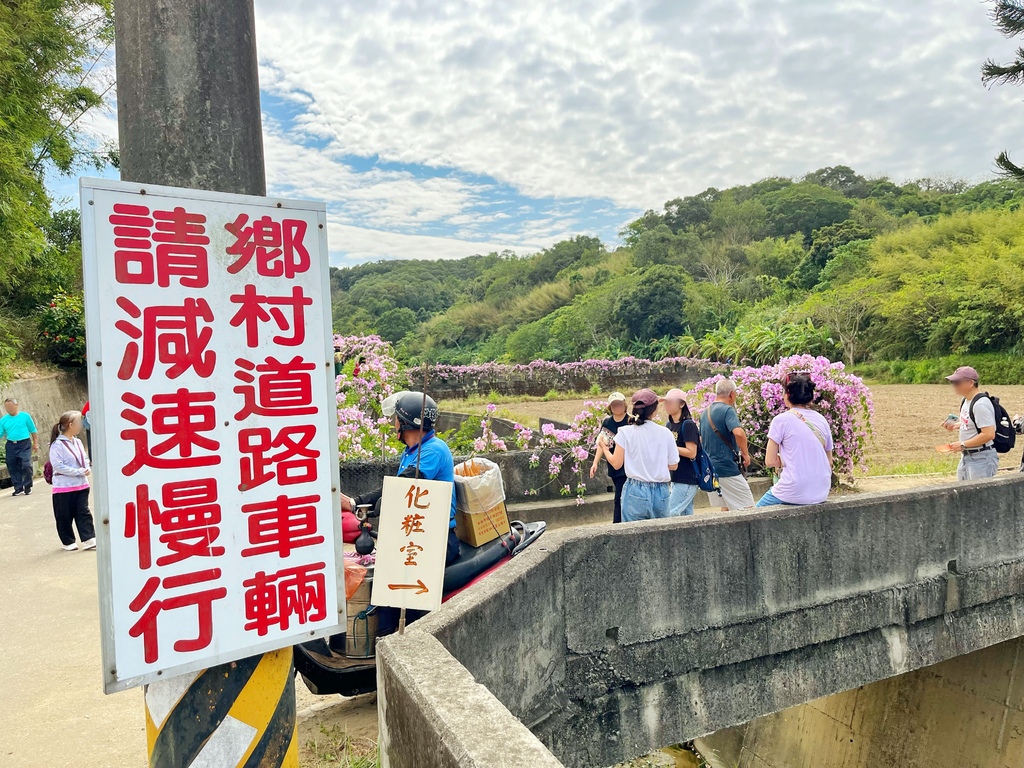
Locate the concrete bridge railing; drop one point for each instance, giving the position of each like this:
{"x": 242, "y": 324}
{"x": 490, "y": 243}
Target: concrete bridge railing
{"x": 600, "y": 644}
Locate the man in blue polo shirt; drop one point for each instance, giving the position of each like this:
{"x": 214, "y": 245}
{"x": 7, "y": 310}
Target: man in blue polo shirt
{"x": 424, "y": 451}
{"x": 22, "y": 441}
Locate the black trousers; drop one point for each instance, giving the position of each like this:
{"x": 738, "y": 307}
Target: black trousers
{"x": 73, "y": 506}
{"x": 618, "y": 482}
{"x": 19, "y": 463}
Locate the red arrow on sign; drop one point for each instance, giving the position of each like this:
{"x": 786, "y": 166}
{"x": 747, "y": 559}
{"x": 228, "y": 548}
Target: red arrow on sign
{"x": 419, "y": 586}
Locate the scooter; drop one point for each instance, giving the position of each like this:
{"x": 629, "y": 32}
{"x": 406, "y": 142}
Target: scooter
{"x": 347, "y": 665}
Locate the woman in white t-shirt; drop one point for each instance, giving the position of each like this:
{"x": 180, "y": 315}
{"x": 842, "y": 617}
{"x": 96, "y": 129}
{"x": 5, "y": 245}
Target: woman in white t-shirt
{"x": 648, "y": 453}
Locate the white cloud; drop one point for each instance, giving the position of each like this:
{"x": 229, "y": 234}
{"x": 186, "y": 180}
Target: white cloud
{"x": 361, "y": 244}
{"x": 641, "y": 101}
{"x": 628, "y": 101}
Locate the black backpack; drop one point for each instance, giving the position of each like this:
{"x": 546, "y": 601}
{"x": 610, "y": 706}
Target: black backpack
{"x": 1006, "y": 435}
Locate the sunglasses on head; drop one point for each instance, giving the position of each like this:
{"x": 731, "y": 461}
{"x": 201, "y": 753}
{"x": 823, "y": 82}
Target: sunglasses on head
{"x": 790, "y": 377}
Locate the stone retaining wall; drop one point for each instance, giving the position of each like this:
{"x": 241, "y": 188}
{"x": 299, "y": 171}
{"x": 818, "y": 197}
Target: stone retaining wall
{"x": 539, "y": 384}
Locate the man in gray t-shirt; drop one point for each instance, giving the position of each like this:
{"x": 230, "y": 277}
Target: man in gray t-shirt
{"x": 977, "y": 430}
{"x": 723, "y": 438}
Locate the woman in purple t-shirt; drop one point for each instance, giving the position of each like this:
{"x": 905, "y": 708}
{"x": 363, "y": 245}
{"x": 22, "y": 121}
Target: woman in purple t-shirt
{"x": 800, "y": 445}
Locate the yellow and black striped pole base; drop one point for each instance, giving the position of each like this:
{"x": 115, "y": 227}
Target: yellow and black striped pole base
{"x": 238, "y": 715}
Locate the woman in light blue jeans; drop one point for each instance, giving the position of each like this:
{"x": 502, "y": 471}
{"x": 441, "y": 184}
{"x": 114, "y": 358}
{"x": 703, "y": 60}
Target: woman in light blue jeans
{"x": 684, "y": 477}
{"x": 648, "y": 452}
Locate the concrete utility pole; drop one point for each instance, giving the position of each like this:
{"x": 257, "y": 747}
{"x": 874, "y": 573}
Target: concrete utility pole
{"x": 189, "y": 116}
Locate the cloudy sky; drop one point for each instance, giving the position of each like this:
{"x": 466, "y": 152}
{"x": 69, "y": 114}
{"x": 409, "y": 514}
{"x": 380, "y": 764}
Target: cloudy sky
{"x": 442, "y": 128}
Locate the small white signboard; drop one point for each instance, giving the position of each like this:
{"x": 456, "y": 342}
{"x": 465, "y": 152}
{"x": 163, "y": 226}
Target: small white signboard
{"x": 214, "y": 426}
{"x": 412, "y": 541}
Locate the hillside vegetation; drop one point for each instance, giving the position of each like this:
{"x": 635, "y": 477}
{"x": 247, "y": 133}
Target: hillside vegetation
{"x": 832, "y": 263}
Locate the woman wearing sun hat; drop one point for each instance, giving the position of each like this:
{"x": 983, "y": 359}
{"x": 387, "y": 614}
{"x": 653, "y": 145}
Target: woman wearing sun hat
{"x": 617, "y": 418}
{"x": 648, "y": 453}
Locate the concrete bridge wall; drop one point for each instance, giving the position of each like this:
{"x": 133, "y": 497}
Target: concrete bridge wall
{"x": 607, "y": 642}
{"x": 968, "y": 711}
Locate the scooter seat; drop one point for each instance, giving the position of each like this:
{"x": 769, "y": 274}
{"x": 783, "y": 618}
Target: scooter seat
{"x": 475, "y": 560}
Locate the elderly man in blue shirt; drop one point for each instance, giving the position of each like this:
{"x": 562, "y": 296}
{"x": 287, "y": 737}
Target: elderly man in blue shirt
{"x": 22, "y": 441}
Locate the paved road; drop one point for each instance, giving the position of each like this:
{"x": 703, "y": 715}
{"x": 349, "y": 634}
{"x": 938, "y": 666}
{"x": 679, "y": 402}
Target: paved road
{"x": 53, "y": 712}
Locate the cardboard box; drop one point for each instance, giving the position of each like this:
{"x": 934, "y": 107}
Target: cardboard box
{"x": 478, "y": 528}
{"x": 480, "y": 514}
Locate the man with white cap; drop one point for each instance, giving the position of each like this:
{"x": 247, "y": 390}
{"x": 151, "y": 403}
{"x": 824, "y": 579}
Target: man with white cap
{"x": 977, "y": 427}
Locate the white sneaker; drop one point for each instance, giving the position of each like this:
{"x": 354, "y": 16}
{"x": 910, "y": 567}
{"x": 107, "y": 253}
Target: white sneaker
{"x": 70, "y": 547}
{"x": 90, "y": 544}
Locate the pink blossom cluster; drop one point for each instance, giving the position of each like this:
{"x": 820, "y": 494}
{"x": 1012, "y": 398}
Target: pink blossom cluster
{"x": 362, "y": 432}
{"x": 489, "y": 442}
{"x": 842, "y": 398}
{"x": 571, "y": 445}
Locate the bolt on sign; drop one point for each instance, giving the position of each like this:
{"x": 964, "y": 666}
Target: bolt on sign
{"x": 412, "y": 541}
{"x": 214, "y": 419}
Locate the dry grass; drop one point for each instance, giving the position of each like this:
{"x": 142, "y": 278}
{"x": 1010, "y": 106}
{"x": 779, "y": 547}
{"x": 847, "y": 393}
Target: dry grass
{"x": 332, "y": 748}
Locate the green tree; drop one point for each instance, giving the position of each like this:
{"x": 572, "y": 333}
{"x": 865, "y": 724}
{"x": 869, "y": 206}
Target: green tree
{"x": 689, "y": 214}
{"x": 395, "y": 324}
{"x": 654, "y": 306}
{"x": 824, "y": 243}
{"x": 804, "y": 208}
{"x": 630, "y": 233}
{"x": 842, "y": 178}
{"x": 1008, "y": 16}
{"x": 47, "y": 49}
{"x": 653, "y": 247}
{"x": 578, "y": 251}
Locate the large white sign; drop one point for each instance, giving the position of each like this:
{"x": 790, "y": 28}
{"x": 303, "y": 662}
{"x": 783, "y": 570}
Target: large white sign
{"x": 214, "y": 426}
{"x": 412, "y": 541}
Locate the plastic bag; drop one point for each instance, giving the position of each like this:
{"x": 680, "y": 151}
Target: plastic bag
{"x": 478, "y": 485}
{"x": 355, "y": 574}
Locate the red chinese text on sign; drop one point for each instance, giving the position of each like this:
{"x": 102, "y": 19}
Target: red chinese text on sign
{"x": 177, "y": 337}
{"x": 176, "y": 597}
{"x": 287, "y": 456}
{"x": 183, "y": 418}
{"x": 180, "y": 250}
{"x": 282, "y": 525}
{"x": 189, "y": 521}
{"x": 277, "y": 598}
{"x": 277, "y": 245}
{"x": 288, "y": 313}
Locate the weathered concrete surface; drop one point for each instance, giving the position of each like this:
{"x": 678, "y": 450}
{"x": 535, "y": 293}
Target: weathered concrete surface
{"x": 47, "y": 397}
{"x": 468, "y": 728}
{"x": 565, "y": 512}
{"x": 609, "y": 641}
{"x": 968, "y": 711}
{"x": 188, "y": 95}
{"x": 522, "y": 482}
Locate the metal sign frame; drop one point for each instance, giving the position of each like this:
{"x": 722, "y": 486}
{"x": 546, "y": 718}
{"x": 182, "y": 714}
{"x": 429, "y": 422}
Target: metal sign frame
{"x": 101, "y": 400}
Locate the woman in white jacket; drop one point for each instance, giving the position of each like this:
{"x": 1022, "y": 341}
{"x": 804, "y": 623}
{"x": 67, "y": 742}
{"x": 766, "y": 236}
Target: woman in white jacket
{"x": 71, "y": 470}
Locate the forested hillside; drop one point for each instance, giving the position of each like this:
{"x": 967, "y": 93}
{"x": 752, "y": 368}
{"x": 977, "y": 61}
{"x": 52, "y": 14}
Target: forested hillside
{"x": 832, "y": 263}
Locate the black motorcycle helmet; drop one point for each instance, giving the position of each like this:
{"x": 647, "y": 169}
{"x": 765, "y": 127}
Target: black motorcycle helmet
{"x": 411, "y": 414}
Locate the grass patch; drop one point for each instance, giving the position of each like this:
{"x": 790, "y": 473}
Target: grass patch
{"x": 994, "y": 369}
{"x": 935, "y": 465}
{"x": 478, "y": 402}
{"x": 333, "y": 748}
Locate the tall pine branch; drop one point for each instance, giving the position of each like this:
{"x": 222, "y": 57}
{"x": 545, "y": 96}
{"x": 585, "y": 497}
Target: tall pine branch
{"x": 1008, "y": 17}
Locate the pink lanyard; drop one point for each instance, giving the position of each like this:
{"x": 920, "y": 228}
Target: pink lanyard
{"x": 79, "y": 455}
